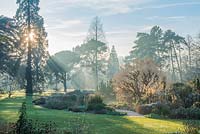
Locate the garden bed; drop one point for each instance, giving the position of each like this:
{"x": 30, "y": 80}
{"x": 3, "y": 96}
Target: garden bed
{"x": 77, "y": 101}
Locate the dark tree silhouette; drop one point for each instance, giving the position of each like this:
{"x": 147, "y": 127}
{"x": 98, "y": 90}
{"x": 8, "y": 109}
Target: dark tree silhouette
{"x": 32, "y": 39}
{"x": 10, "y": 51}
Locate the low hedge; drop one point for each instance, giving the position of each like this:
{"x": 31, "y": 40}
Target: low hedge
{"x": 156, "y": 108}
{"x": 186, "y": 113}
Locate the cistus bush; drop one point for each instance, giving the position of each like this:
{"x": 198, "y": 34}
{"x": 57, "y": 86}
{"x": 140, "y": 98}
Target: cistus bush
{"x": 96, "y": 104}
{"x": 161, "y": 109}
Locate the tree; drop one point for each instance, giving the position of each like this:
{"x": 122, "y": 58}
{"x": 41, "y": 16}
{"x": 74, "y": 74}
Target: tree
{"x": 52, "y": 68}
{"x": 106, "y": 90}
{"x": 62, "y": 64}
{"x": 113, "y": 63}
{"x": 149, "y": 45}
{"x": 164, "y": 48}
{"x": 40, "y": 56}
{"x": 191, "y": 68}
{"x": 32, "y": 35}
{"x": 96, "y": 34}
{"x": 9, "y": 46}
{"x": 189, "y": 43}
{"x": 82, "y": 78}
{"x": 87, "y": 52}
{"x": 96, "y": 30}
{"x": 174, "y": 43}
{"x": 139, "y": 82}
{"x": 10, "y": 52}
{"x": 196, "y": 57}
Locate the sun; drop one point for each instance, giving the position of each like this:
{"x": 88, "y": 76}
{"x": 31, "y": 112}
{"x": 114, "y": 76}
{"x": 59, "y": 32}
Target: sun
{"x": 32, "y": 36}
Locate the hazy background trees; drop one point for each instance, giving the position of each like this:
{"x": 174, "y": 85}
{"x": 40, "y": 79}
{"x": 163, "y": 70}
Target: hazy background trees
{"x": 93, "y": 51}
{"x": 94, "y": 62}
{"x": 61, "y": 66}
{"x": 170, "y": 51}
{"x": 113, "y": 64}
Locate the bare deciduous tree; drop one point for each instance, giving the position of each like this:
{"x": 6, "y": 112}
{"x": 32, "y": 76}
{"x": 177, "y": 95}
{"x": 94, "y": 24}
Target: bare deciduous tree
{"x": 139, "y": 82}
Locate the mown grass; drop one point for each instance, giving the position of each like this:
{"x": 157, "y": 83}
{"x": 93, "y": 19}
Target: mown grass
{"x": 100, "y": 124}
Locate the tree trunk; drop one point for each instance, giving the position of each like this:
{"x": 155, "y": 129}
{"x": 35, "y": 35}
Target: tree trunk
{"x": 172, "y": 63}
{"x": 177, "y": 61}
{"x": 56, "y": 82}
{"x": 29, "y": 86}
{"x": 37, "y": 77}
{"x": 96, "y": 56}
{"x": 10, "y": 89}
{"x": 160, "y": 64}
{"x": 65, "y": 82}
{"x": 189, "y": 54}
{"x": 181, "y": 68}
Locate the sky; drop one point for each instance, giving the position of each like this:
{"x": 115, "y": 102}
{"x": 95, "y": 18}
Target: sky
{"x": 67, "y": 21}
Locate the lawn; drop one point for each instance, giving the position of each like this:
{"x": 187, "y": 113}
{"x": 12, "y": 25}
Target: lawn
{"x": 101, "y": 124}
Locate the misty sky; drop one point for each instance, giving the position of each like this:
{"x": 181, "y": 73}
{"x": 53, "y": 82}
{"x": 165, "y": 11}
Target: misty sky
{"x": 67, "y": 21}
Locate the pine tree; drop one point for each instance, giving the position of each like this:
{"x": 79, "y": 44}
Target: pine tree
{"x": 113, "y": 63}
{"x": 97, "y": 37}
{"x": 148, "y": 45}
{"x": 33, "y": 40}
